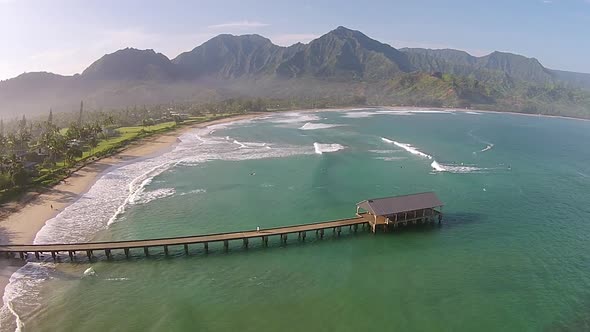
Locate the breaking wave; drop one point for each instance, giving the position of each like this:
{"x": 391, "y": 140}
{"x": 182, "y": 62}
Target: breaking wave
{"x": 117, "y": 189}
{"x": 314, "y": 126}
{"x": 407, "y": 147}
{"x": 452, "y": 168}
{"x": 294, "y": 117}
{"x": 324, "y": 148}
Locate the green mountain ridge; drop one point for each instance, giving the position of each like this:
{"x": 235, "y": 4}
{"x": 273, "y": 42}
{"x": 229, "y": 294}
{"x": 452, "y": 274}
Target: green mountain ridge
{"x": 343, "y": 63}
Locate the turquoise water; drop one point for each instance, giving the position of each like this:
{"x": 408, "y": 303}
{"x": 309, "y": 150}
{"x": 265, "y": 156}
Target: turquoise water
{"x": 512, "y": 253}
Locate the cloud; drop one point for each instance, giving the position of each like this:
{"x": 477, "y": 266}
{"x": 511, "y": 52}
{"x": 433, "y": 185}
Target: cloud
{"x": 238, "y": 25}
{"x": 292, "y": 38}
{"x": 547, "y": 1}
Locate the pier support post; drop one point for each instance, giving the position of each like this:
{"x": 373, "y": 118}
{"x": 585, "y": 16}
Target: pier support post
{"x": 339, "y": 230}
{"x": 37, "y": 255}
{"x": 108, "y": 253}
{"x": 22, "y": 255}
{"x": 126, "y": 252}
{"x": 71, "y": 254}
{"x": 303, "y": 236}
{"x": 166, "y": 250}
{"x": 226, "y": 245}
{"x": 265, "y": 241}
{"x": 89, "y": 254}
{"x": 206, "y": 246}
{"x": 356, "y": 227}
{"x": 284, "y": 238}
{"x": 54, "y": 255}
{"x": 245, "y": 242}
{"x": 321, "y": 233}
{"x": 146, "y": 251}
{"x": 186, "y": 249}
{"x": 299, "y": 236}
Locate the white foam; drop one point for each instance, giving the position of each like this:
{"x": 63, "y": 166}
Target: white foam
{"x": 324, "y": 148}
{"x": 195, "y": 191}
{"x": 478, "y": 139}
{"x": 391, "y": 158}
{"x": 472, "y": 113}
{"x": 294, "y": 117}
{"x": 407, "y": 147}
{"x": 487, "y": 148}
{"x": 357, "y": 115}
{"x": 453, "y": 168}
{"x": 384, "y": 151}
{"x": 149, "y": 196}
{"x": 314, "y": 126}
{"x": 437, "y": 167}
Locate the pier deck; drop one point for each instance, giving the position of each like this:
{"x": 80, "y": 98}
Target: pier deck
{"x": 244, "y": 236}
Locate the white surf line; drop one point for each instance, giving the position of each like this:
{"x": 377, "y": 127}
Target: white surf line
{"x": 324, "y": 148}
{"x": 407, "y": 147}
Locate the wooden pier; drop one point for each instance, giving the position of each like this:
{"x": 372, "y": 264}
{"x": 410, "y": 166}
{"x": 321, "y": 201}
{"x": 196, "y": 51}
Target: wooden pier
{"x": 420, "y": 213}
{"x": 245, "y": 237}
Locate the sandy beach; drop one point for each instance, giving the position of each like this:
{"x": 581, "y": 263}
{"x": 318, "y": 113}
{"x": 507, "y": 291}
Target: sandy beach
{"x": 22, "y": 221}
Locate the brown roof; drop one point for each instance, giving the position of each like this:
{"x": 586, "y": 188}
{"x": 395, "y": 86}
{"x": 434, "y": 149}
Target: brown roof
{"x": 390, "y": 205}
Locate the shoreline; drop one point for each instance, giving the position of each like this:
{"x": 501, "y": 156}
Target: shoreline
{"x": 26, "y": 219}
{"x": 23, "y": 223}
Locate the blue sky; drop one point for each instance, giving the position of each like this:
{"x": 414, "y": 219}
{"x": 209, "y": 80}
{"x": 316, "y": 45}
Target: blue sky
{"x": 65, "y": 36}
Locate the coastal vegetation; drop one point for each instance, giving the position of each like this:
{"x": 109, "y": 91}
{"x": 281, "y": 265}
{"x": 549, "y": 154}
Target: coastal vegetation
{"x": 40, "y": 152}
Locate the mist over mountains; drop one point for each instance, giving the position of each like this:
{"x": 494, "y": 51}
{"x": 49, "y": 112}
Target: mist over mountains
{"x": 341, "y": 63}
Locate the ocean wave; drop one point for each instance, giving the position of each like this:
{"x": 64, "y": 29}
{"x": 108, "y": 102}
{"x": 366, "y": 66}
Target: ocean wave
{"x": 384, "y": 151}
{"x": 195, "y": 191}
{"x": 294, "y": 117}
{"x": 478, "y": 139}
{"x": 314, "y": 126}
{"x": 391, "y": 158}
{"x": 453, "y": 168}
{"x": 487, "y": 148}
{"x": 407, "y": 147}
{"x": 357, "y": 115}
{"x": 149, "y": 196}
{"x": 324, "y": 148}
{"x": 22, "y": 292}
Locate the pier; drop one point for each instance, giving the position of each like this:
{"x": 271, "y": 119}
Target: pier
{"x": 385, "y": 213}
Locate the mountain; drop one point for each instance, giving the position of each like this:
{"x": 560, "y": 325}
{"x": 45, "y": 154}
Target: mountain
{"x": 494, "y": 65}
{"x": 572, "y": 78}
{"x": 344, "y": 53}
{"x": 228, "y": 56}
{"x": 341, "y": 64}
{"x": 132, "y": 64}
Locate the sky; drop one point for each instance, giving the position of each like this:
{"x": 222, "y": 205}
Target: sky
{"x": 66, "y": 36}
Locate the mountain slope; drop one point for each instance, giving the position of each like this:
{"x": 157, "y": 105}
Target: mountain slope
{"x": 345, "y": 53}
{"x": 131, "y": 64}
{"x": 343, "y": 64}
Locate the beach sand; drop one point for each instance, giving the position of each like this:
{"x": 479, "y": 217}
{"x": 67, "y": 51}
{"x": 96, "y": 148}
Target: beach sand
{"x": 20, "y": 222}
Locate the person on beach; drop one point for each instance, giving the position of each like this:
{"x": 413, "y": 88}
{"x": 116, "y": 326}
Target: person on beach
{"x": 52, "y": 206}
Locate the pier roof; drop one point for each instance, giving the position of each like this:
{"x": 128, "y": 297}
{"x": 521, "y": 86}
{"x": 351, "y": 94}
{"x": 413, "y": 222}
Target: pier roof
{"x": 391, "y": 205}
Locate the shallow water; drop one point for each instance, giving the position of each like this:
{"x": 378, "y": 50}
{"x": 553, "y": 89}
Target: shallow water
{"x": 511, "y": 254}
